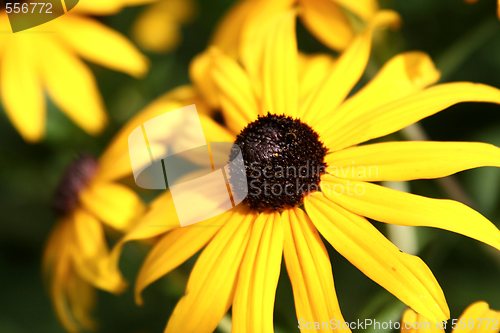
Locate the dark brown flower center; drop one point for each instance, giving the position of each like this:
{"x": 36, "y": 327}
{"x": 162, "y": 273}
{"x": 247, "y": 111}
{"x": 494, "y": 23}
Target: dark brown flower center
{"x": 284, "y": 160}
{"x": 75, "y": 178}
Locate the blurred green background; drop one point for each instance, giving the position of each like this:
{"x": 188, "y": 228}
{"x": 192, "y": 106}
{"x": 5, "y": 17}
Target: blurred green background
{"x": 463, "y": 39}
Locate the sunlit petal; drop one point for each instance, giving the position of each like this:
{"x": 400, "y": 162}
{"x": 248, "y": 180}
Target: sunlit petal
{"x": 310, "y": 272}
{"x": 395, "y": 207}
{"x": 408, "y": 160}
{"x": 258, "y": 277}
{"x": 405, "y": 276}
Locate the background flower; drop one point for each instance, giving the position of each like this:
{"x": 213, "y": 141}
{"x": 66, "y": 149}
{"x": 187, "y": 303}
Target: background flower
{"x": 158, "y": 28}
{"x": 44, "y": 59}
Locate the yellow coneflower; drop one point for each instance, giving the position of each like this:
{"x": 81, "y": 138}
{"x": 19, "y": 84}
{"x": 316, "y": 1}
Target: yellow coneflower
{"x": 45, "y": 58}
{"x": 158, "y": 28}
{"x": 302, "y": 118}
{"x": 477, "y": 318}
{"x": 88, "y": 199}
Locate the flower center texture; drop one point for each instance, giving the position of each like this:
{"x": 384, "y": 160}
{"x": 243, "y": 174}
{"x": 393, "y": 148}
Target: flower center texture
{"x": 284, "y": 160}
{"x": 77, "y": 175}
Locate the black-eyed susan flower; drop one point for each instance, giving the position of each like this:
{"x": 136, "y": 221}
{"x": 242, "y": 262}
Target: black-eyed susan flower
{"x": 477, "y": 318}
{"x": 298, "y": 130}
{"x": 46, "y": 59}
{"x": 158, "y": 28}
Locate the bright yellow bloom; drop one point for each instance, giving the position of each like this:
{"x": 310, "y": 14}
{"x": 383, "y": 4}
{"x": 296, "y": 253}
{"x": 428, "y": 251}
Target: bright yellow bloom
{"x": 477, "y": 318}
{"x": 45, "y": 59}
{"x": 274, "y": 117}
{"x": 158, "y": 28}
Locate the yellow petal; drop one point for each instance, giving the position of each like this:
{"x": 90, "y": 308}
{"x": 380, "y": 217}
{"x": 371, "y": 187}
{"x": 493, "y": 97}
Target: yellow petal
{"x": 327, "y": 22}
{"x": 345, "y": 74}
{"x": 310, "y": 272}
{"x": 98, "y": 43}
{"x": 211, "y": 283}
{"x": 401, "y": 76}
{"x": 312, "y": 71}
{"x": 415, "y": 323}
{"x": 72, "y": 297}
{"x": 478, "y": 318}
{"x": 365, "y": 9}
{"x": 80, "y": 100}
{"x": 90, "y": 253}
{"x": 399, "y": 161}
{"x": 58, "y": 294}
{"x": 81, "y": 298}
{"x": 115, "y": 161}
{"x": 258, "y": 278}
{"x": 112, "y": 203}
{"x": 235, "y": 91}
{"x": 21, "y": 89}
{"x": 256, "y": 27}
{"x": 227, "y": 36}
{"x": 200, "y": 73}
{"x": 279, "y": 67}
{"x": 395, "y": 207}
{"x": 174, "y": 248}
{"x": 157, "y": 28}
{"x": 398, "y": 114}
{"x": 159, "y": 219}
{"x": 57, "y": 270}
{"x": 405, "y": 276}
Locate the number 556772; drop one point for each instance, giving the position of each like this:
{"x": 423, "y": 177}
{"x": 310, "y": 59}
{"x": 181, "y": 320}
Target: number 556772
{"x": 33, "y": 8}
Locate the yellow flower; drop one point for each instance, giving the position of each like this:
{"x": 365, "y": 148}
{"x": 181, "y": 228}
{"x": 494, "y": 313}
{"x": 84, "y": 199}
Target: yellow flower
{"x": 298, "y": 115}
{"x": 158, "y": 29}
{"x": 477, "y": 318}
{"x": 89, "y": 199}
{"x": 46, "y": 59}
